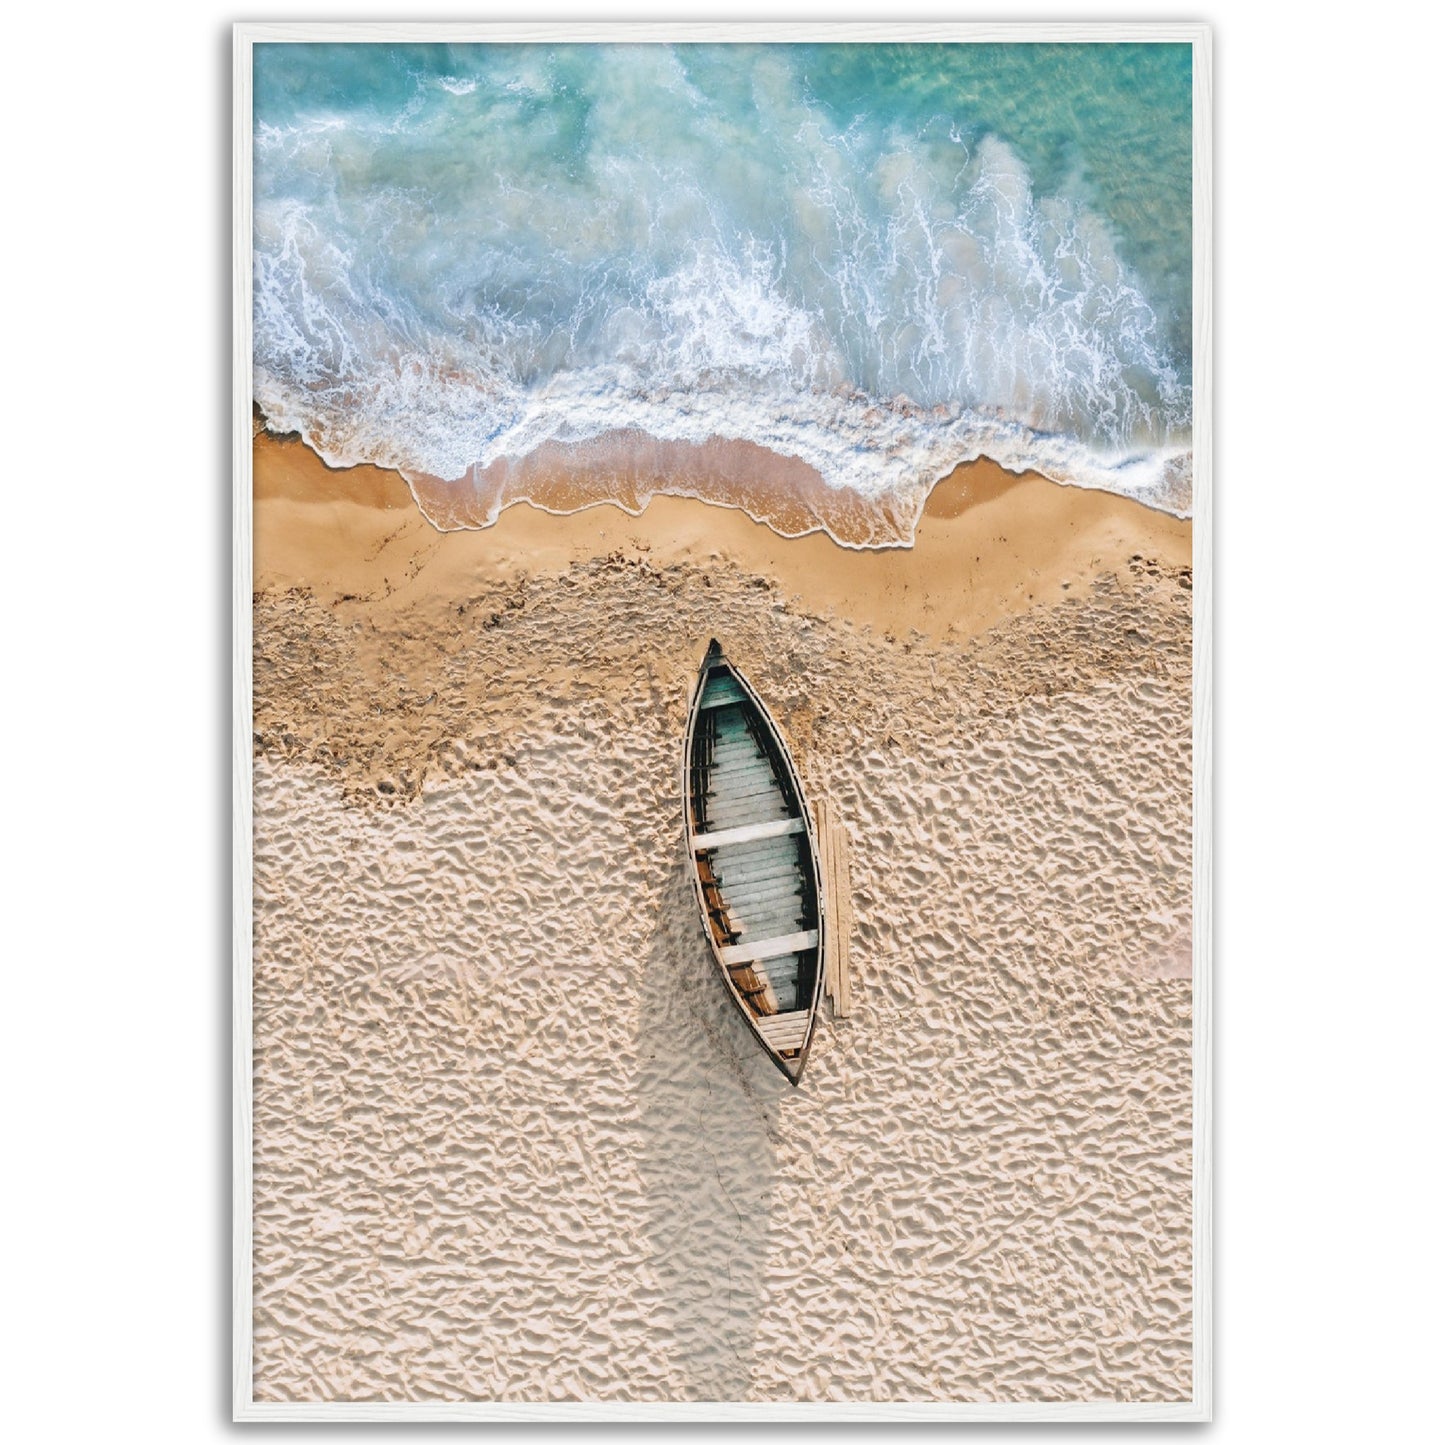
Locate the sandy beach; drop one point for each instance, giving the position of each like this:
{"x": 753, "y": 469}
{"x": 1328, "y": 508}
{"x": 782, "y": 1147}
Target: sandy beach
{"x": 511, "y": 1141}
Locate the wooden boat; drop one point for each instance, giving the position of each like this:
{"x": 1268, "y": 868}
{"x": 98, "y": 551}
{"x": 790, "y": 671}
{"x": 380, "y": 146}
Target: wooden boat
{"x": 754, "y": 861}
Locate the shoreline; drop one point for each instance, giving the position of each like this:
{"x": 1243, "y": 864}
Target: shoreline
{"x": 989, "y": 545}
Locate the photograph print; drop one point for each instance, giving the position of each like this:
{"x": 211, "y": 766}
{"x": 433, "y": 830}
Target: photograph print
{"x": 719, "y": 760}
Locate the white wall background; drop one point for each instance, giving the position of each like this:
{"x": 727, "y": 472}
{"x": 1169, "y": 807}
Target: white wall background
{"x": 114, "y": 765}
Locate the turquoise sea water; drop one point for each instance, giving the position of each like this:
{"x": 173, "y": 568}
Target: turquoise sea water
{"x": 881, "y": 260}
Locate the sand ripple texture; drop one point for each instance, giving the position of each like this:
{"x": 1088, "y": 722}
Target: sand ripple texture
{"x": 511, "y": 1140}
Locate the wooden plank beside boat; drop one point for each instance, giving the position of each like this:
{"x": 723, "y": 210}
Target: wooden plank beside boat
{"x": 753, "y": 857}
{"x": 833, "y": 865}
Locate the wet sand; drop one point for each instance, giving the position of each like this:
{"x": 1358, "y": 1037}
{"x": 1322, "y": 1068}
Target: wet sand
{"x": 511, "y": 1141}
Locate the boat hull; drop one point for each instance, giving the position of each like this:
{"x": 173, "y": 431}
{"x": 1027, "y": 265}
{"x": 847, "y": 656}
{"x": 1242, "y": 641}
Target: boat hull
{"x": 753, "y": 858}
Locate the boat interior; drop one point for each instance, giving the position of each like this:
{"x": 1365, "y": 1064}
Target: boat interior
{"x": 751, "y": 852}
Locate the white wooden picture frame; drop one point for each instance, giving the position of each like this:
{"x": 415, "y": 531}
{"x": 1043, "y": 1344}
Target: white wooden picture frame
{"x": 1198, "y": 1408}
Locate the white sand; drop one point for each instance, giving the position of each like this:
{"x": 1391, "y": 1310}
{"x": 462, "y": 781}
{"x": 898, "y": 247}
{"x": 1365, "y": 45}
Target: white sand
{"x": 512, "y": 1141}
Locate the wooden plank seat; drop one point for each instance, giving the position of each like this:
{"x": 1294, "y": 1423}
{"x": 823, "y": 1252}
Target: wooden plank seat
{"x": 731, "y": 837}
{"x": 765, "y": 948}
{"x": 734, "y": 818}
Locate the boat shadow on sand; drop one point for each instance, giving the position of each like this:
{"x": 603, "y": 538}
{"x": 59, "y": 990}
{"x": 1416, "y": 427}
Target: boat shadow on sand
{"x": 708, "y": 1114}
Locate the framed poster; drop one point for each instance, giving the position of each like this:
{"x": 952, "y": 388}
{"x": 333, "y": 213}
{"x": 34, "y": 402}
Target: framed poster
{"x": 722, "y": 766}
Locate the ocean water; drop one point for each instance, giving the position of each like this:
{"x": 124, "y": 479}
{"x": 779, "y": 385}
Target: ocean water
{"x": 490, "y": 266}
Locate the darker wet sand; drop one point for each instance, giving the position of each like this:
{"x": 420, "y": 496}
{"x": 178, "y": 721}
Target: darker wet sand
{"x": 990, "y": 545}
